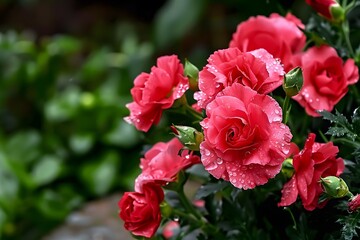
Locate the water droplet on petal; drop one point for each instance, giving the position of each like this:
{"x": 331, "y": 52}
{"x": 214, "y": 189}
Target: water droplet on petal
{"x": 211, "y": 166}
{"x": 207, "y": 152}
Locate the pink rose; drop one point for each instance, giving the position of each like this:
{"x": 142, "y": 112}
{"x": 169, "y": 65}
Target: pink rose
{"x": 154, "y": 92}
{"x": 326, "y": 79}
{"x": 141, "y": 211}
{"x": 280, "y": 36}
{"x": 316, "y": 160}
{"x": 245, "y": 141}
{"x": 256, "y": 69}
{"x": 162, "y": 163}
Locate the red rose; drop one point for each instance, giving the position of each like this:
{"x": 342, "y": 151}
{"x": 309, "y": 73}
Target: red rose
{"x": 354, "y": 203}
{"x": 256, "y": 69}
{"x": 245, "y": 141}
{"x": 141, "y": 211}
{"x": 326, "y": 79}
{"x": 280, "y": 36}
{"x": 315, "y": 161}
{"x": 154, "y": 92}
{"x": 162, "y": 163}
{"x": 326, "y": 8}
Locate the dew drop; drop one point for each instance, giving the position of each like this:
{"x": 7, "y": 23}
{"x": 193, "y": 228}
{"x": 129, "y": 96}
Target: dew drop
{"x": 211, "y": 166}
{"x": 285, "y": 150}
{"x": 207, "y": 152}
{"x": 219, "y": 161}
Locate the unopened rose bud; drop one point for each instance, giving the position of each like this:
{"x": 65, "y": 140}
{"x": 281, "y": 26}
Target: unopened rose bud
{"x": 293, "y": 82}
{"x": 338, "y": 13}
{"x": 354, "y": 203}
{"x": 287, "y": 168}
{"x": 189, "y": 136}
{"x": 171, "y": 229}
{"x": 330, "y": 9}
{"x": 192, "y": 72}
{"x": 335, "y": 187}
{"x": 166, "y": 209}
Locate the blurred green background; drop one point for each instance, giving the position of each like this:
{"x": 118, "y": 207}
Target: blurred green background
{"x": 66, "y": 69}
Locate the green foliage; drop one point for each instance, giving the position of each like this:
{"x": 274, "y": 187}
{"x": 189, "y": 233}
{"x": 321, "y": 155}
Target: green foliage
{"x": 63, "y": 138}
{"x": 351, "y": 225}
{"x": 343, "y": 128}
{"x": 176, "y": 19}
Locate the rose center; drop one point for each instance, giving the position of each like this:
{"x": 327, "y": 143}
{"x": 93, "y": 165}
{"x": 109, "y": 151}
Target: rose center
{"x": 238, "y": 76}
{"x": 233, "y": 134}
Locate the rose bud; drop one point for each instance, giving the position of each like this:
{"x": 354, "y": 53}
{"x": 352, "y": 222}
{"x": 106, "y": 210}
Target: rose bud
{"x": 335, "y": 186}
{"x": 190, "y": 137}
{"x": 171, "y": 229}
{"x": 192, "y": 72}
{"x": 330, "y": 9}
{"x": 354, "y": 203}
{"x": 293, "y": 82}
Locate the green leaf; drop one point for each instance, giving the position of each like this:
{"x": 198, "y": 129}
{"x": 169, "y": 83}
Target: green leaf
{"x": 81, "y": 143}
{"x": 210, "y": 188}
{"x": 198, "y": 170}
{"x": 46, "y": 170}
{"x": 123, "y": 135}
{"x": 335, "y": 118}
{"x": 24, "y": 146}
{"x": 175, "y": 19}
{"x": 350, "y": 223}
{"x": 95, "y": 64}
{"x": 99, "y": 176}
{"x": 63, "y": 45}
{"x": 10, "y": 185}
{"x": 63, "y": 106}
{"x": 57, "y": 203}
{"x": 340, "y": 132}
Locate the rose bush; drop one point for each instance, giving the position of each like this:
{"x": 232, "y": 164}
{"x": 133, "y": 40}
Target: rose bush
{"x": 239, "y": 146}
